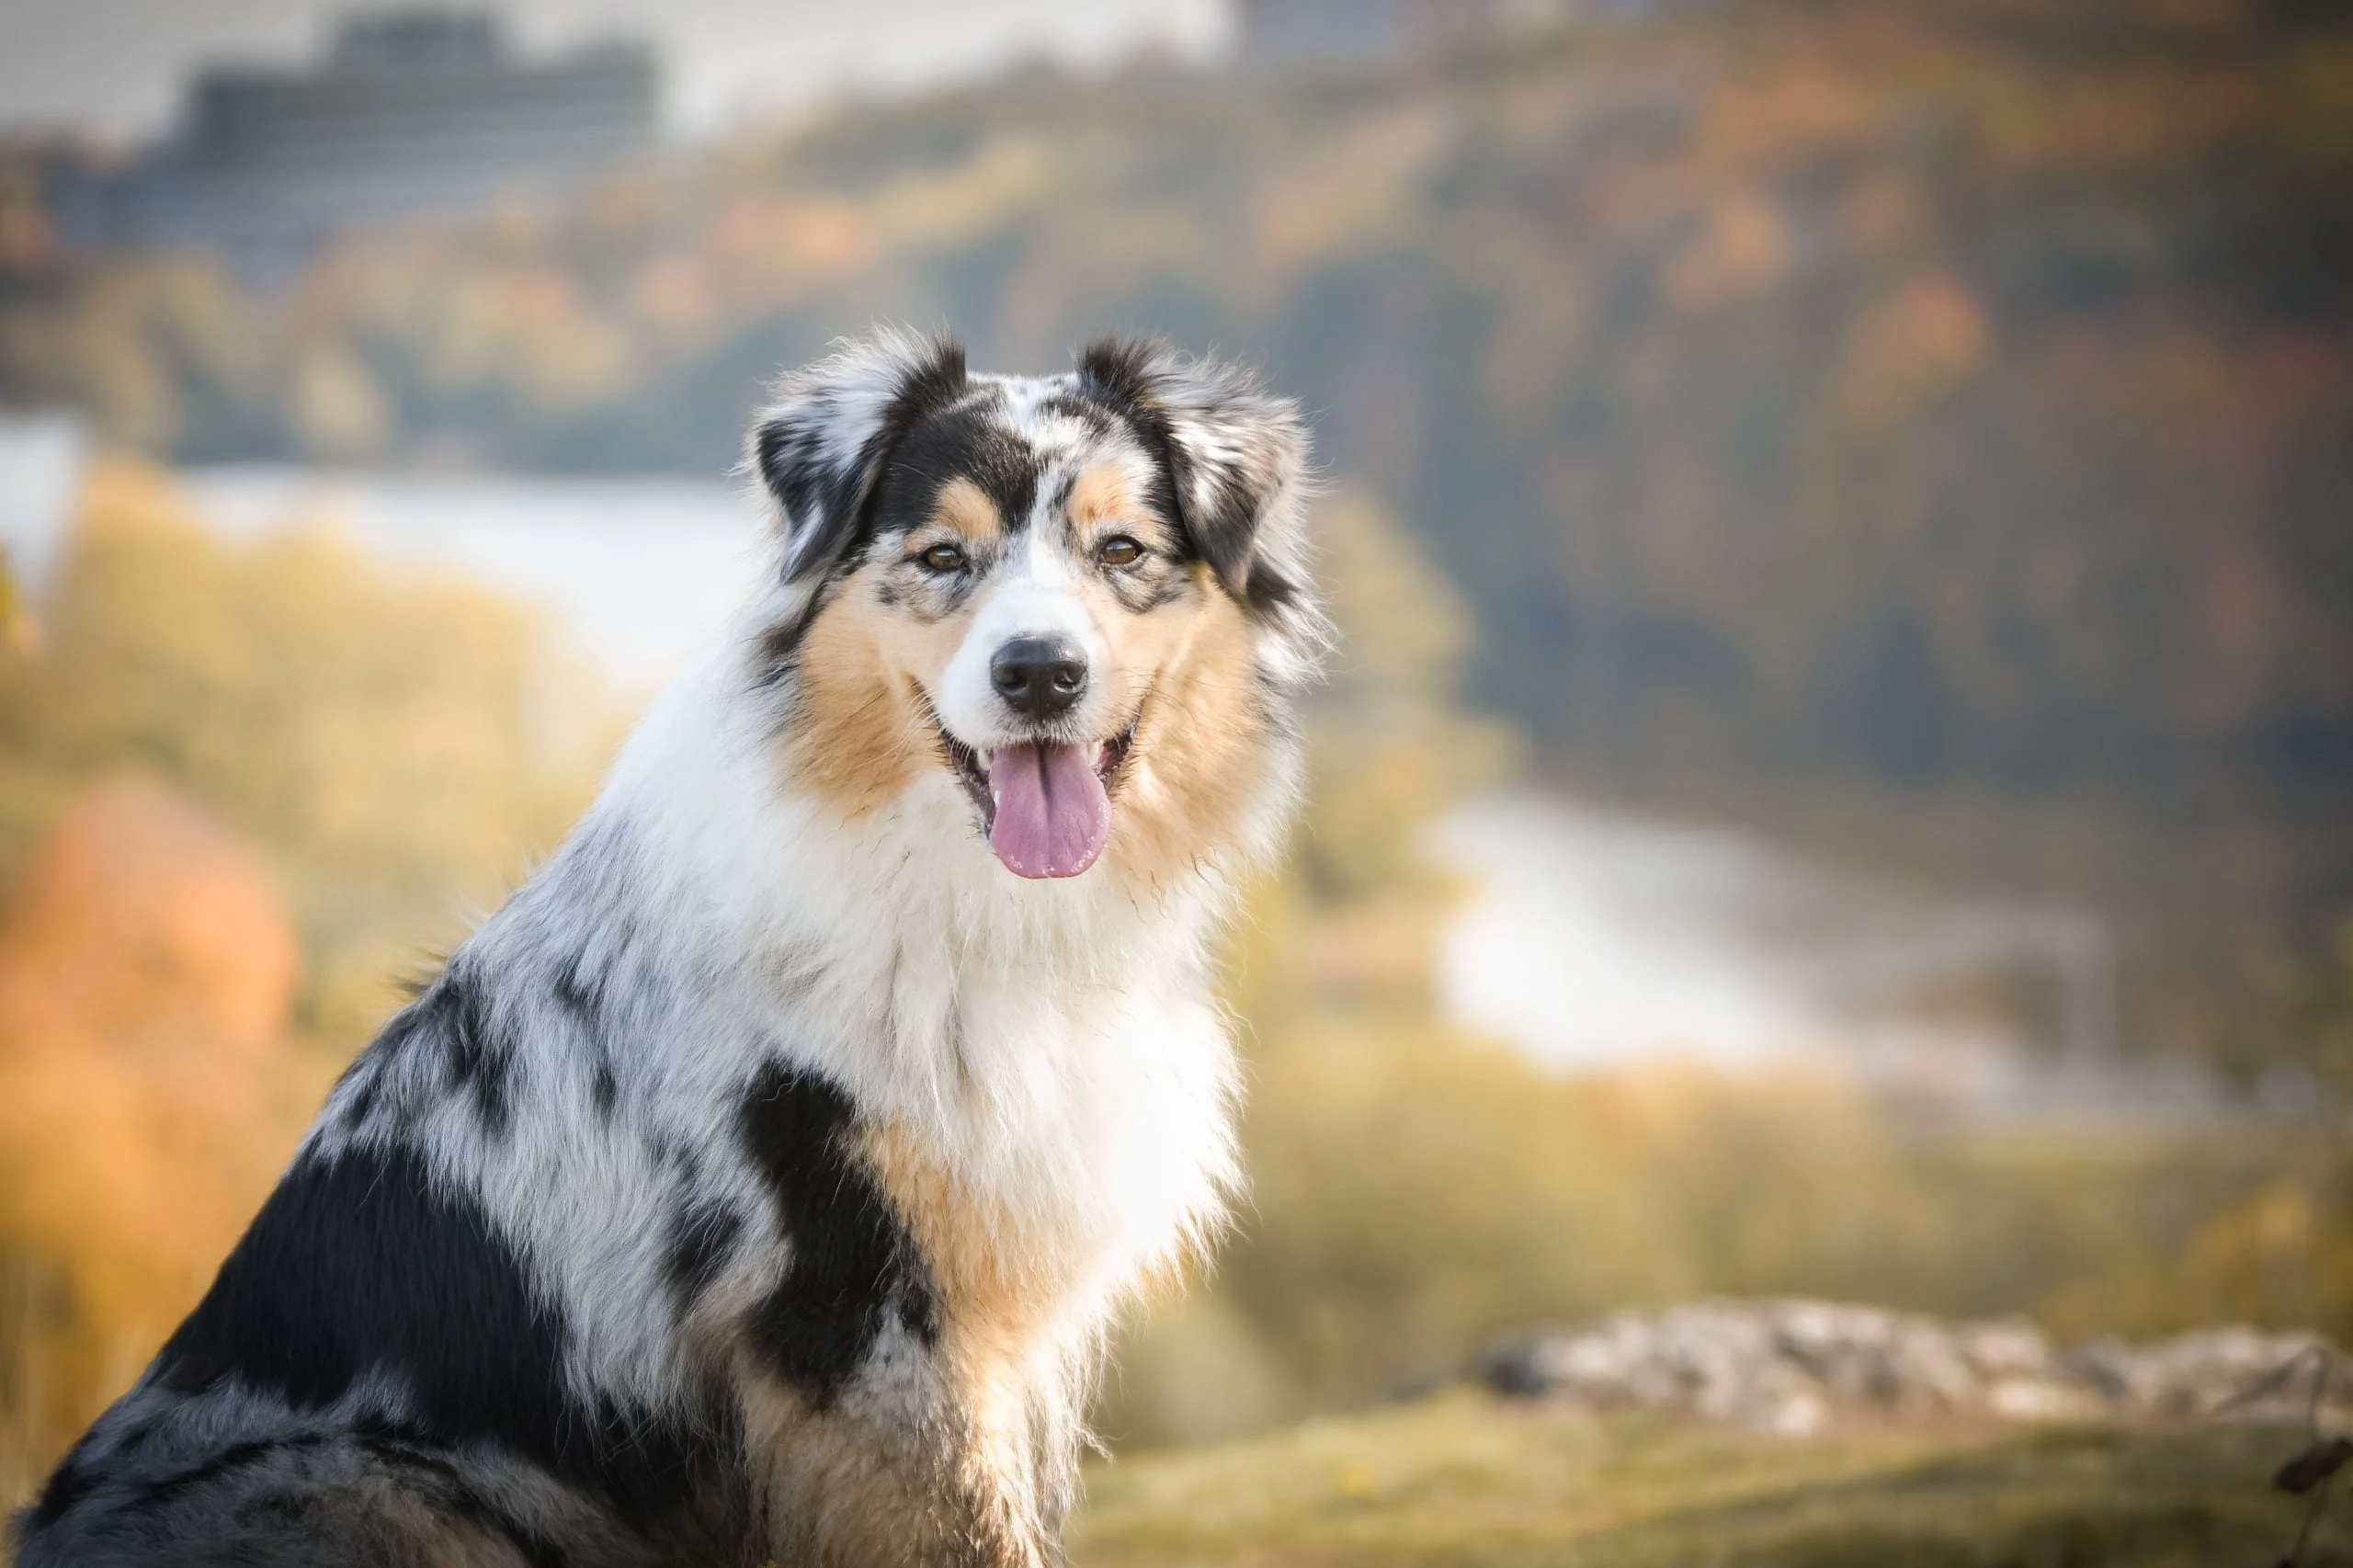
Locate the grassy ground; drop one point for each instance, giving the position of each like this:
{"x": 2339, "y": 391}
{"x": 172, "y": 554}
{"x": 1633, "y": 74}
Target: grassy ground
{"x": 1463, "y": 1480}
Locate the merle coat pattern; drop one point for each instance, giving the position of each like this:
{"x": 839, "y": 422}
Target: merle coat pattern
{"x": 758, "y": 1183}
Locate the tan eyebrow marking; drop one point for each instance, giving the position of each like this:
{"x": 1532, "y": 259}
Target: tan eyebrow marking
{"x": 965, "y": 508}
{"x": 1103, "y": 495}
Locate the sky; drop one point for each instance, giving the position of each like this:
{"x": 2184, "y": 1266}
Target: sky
{"x": 115, "y": 66}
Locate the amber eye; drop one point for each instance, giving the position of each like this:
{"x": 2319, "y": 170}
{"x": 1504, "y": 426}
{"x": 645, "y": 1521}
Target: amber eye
{"x": 944, "y": 558}
{"x": 1118, "y": 550}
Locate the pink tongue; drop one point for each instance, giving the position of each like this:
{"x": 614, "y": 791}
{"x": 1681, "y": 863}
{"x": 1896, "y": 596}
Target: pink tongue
{"x": 1052, "y": 813}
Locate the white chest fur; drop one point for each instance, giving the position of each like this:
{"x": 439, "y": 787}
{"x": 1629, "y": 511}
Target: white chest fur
{"x": 1066, "y": 1095}
{"x": 1044, "y": 1060}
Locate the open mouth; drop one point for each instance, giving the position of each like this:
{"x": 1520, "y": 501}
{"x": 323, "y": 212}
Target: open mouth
{"x": 1045, "y": 805}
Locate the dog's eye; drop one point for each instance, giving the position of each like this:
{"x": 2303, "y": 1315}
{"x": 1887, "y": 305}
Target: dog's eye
{"x": 944, "y": 558}
{"x": 1118, "y": 550}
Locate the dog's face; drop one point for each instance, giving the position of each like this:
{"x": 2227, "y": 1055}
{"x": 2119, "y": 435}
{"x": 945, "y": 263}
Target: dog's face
{"x": 1082, "y": 598}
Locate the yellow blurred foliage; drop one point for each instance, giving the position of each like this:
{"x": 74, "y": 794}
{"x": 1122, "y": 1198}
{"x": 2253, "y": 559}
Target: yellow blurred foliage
{"x": 149, "y": 1090}
{"x": 401, "y": 746}
{"x": 245, "y": 792}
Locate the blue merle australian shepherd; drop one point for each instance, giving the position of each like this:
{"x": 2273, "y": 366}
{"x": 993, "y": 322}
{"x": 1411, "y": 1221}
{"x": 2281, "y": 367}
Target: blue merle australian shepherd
{"x": 757, "y": 1184}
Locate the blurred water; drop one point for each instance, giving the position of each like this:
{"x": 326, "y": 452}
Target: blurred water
{"x": 634, "y": 572}
{"x": 41, "y": 470}
{"x": 1594, "y": 939}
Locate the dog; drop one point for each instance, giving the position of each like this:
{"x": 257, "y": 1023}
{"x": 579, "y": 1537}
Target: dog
{"x": 759, "y": 1183}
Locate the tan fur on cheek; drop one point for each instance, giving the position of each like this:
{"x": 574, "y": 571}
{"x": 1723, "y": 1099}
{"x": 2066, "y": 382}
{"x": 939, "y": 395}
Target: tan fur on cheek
{"x": 858, "y": 735}
{"x": 1198, "y": 758}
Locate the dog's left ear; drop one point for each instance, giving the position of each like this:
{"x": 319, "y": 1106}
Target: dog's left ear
{"x": 1235, "y": 456}
{"x": 821, "y": 445}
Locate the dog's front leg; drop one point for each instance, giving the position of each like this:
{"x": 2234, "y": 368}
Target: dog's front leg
{"x": 865, "y": 1482}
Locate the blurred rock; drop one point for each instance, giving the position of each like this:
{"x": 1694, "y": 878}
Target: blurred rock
{"x": 1793, "y": 1366}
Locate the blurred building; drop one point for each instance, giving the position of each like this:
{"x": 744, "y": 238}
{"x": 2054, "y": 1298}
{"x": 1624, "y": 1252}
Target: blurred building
{"x": 412, "y": 112}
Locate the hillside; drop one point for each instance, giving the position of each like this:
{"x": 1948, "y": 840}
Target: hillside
{"x": 1464, "y": 1480}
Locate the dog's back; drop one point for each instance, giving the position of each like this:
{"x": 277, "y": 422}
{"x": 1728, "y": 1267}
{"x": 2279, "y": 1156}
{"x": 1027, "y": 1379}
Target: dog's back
{"x": 373, "y": 1378}
{"x": 287, "y": 1498}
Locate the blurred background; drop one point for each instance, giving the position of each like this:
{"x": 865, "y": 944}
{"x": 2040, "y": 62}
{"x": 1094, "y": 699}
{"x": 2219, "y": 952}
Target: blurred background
{"x": 1841, "y": 513}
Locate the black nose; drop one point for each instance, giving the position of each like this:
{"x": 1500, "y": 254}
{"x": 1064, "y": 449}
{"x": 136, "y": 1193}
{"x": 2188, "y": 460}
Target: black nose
{"x": 1038, "y": 676}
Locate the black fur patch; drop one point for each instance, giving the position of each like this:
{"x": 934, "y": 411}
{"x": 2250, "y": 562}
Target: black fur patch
{"x": 277, "y": 1512}
{"x": 581, "y": 993}
{"x": 480, "y": 1060}
{"x": 1227, "y": 529}
{"x": 453, "y": 1015}
{"x": 829, "y": 502}
{"x": 1116, "y": 374}
{"x": 362, "y": 1103}
{"x": 701, "y": 1242}
{"x": 852, "y": 1266}
{"x": 965, "y": 442}
{"x": 579, "y": 990}
{"x": 226, "y": 1461}
{"x": 360, "y": 1264}
{"x": 1124, "y": 375}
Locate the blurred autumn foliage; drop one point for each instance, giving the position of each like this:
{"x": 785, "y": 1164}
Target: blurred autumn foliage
{"x": 401, "y": 745}
{"x": 149, "y": 1091}
{"x": 245, "y": 793}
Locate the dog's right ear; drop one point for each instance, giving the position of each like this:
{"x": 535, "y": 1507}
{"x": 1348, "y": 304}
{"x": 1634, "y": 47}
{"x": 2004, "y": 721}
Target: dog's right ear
{"x": 821, "y": 444}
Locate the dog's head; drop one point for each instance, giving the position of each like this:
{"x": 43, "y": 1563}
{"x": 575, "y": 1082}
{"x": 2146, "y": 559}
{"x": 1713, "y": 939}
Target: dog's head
{"x": 1083, "y": 597}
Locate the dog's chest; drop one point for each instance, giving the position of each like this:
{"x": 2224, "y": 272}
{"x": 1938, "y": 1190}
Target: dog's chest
{"x": 1072, "y": 1141}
